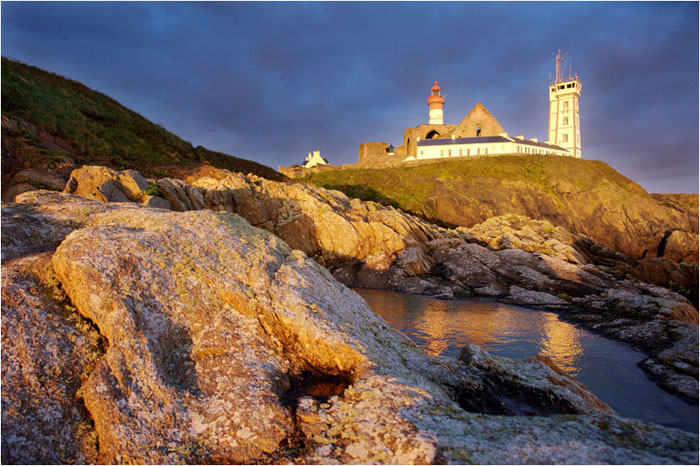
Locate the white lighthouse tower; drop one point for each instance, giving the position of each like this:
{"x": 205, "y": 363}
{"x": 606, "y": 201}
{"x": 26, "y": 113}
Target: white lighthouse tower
{"x": 564, "y": 126}
{"x": 435, "y": 103}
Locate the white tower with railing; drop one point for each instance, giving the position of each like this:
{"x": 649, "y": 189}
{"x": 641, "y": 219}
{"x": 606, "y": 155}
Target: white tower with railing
{"x": 564, "y": 125}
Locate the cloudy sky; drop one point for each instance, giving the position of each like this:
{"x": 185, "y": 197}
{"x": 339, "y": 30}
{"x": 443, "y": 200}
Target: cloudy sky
{"x": 273, "y": 81}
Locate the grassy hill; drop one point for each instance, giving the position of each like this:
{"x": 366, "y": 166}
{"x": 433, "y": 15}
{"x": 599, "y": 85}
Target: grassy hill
{"x": 584, "y": 196}
{"x": 48, "y": 118}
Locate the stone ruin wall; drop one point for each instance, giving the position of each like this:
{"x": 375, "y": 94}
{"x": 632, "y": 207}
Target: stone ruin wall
{"x": 373, "y": 154}
{"x": 478, "y": 117}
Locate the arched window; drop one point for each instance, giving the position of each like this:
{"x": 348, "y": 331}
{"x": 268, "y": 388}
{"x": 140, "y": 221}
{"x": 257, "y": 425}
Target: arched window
{"x": 478, "y": 131}
{"x": 432, "y": 135}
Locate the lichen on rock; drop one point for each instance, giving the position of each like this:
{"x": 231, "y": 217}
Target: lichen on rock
{"x": 222, "y": 344}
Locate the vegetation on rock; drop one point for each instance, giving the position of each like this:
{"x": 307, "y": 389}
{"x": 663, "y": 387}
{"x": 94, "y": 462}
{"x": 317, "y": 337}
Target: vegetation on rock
{"x": 584, "y": 196}
{"x": 49, "y": 121}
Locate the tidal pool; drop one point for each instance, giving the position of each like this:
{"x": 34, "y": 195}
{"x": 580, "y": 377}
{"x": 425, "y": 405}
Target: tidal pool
{"x": 608, "y": 368}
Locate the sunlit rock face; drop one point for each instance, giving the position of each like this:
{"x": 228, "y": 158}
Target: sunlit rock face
{"x": 194, "y": 337}
{"x": 514, "y": 258}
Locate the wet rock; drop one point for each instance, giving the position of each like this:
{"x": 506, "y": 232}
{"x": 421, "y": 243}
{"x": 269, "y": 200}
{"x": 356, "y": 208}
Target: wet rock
{"x": 535, "y": 386}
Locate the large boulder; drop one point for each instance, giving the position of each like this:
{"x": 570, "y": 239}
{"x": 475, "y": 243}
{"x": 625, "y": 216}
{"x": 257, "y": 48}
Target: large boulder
{"x": 221, "y": 344}
{"x": 47, "y": 351}
{"x": 108, "y": 185}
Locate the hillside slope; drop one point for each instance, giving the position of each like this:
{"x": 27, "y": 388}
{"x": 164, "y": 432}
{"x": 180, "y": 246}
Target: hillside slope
{"x": 49, "y": 122}
{"x": 583, "y": 196}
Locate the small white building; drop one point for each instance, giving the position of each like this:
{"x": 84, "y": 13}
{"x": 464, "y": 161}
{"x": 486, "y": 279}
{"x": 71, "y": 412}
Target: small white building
{"x": 314, "y": 159}
{"x": 487, "y": 145}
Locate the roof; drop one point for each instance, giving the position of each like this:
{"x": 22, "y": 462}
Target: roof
{"x": 486, "y": 139}
{"x": 441, "y": 142}
{"x": 538, "y": 144}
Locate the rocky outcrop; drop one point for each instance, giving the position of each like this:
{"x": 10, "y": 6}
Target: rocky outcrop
{"x": 586, "y": 197}
{"x": 107, "y": 185}
{"x": 616, "y": 213}
{"x": 516, "y": 231}
{"x": 47, "y": 352}
{"x": 679, "y": 246}
{"x": 194, "y": 337}
{"x": 513, "y": 258}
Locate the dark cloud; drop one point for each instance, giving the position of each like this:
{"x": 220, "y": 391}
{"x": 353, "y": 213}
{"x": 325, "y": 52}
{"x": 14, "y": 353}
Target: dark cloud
{"x": 271, "y": 81}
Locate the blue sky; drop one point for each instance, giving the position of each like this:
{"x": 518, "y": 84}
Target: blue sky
{"x": 273, "y": 81}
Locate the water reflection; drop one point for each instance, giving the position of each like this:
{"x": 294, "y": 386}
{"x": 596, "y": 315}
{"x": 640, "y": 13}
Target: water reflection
{"x": 606, "y": 367}
{"x": 562, "y": 343}
{"x": 444, "y": 327}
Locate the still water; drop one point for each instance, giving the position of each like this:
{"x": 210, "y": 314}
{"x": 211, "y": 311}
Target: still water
{"x": 608, "y": 368}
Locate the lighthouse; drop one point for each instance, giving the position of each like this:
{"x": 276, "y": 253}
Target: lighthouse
{"x": 564, "y": 126}
{"x": 435, "y": 103}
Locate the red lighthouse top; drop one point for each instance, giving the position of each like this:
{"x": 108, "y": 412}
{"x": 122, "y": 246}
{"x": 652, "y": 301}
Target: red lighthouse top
{"x": 435, "y": 97}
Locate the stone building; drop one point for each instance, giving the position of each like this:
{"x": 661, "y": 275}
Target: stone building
{"x": 479, "y": 133}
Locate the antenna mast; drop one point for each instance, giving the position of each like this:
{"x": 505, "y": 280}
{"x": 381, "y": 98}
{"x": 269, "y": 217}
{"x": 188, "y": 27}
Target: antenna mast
{"x": 559, "y": 71}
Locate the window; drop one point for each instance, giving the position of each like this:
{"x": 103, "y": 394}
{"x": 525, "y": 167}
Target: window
{"x": 566, "y": 121}
{"x": 478, "y": 131}
{"x": 449, "y": 152}
{"x": 467, "y": 151}
{"x": 421, "y": 152}
{"x": 477, "y": 151}
{"x": 486, "y": 151}
{"x": 566, "y": 106}
{"x": 564, "y": 138}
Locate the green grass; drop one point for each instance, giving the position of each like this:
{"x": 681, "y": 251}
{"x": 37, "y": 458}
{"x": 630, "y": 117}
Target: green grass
{"x": 408, "y": 187}
{"x": 98, "y": 127}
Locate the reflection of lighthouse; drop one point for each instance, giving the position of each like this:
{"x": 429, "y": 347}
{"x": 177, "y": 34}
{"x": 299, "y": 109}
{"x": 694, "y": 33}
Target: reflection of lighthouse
{"x": 435, "y": 103}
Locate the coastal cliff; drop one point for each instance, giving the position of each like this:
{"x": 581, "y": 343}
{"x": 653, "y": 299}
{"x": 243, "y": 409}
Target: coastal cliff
{"x": 515, "y": 259}
{"x": 195, "y": 337}
{"x": 185, "y": 313}
{"x": 586, "y": 197}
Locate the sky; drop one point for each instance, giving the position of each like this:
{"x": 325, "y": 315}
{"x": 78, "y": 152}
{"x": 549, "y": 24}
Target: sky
{"x": 271, "y": 82}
